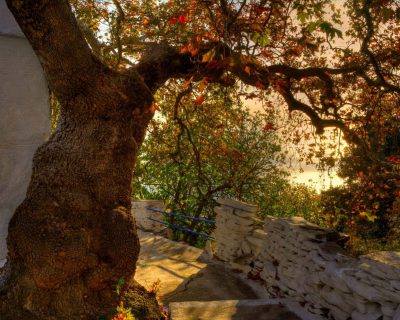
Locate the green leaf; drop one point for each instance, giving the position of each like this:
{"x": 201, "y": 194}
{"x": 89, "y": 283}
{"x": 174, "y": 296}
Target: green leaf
{"x": 312, "y": 26}
{"x": 331, "y": 31}
{"x": 302, "y": 16}
{"x": 262, "y": 39}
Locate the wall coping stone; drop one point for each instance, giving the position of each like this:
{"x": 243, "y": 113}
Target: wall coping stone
{"x": 387, "y": 258}
{"x": 235, "y": 204}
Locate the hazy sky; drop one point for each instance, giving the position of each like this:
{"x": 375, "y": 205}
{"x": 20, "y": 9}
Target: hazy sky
{"x": 308, "y": 174}
{"x": 301, "y": 172}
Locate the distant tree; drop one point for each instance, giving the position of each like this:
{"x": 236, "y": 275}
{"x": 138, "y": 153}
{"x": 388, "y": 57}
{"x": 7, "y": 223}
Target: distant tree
{"x": 198, "y": 150}
{"x": 290, "y": 199}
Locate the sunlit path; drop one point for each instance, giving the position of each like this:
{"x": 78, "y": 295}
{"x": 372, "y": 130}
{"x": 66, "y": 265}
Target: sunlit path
{"x": 206, "y": 290}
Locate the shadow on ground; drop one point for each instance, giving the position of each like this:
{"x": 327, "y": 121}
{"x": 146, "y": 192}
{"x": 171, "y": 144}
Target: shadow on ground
{"x": 210, "y": 284}
{"x": 260, "y": 309}
{"x": 184, "y": 276}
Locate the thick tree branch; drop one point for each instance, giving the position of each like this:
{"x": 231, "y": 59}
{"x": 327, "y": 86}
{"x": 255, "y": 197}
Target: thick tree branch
{"x": 380, "y": 80}
{"x": 161, "y": 62}
{"x": 164, "y": 62}
{"x": 366, "y": 41}
{"x": 118, "y": 29}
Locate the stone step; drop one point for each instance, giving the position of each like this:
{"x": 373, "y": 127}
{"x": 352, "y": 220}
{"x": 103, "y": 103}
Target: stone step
{"x": 256, "y": 309}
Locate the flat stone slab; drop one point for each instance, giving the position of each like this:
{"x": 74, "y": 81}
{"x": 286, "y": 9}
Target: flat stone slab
{"x": 257, "y": 309}
{"x": 183, "y": 274}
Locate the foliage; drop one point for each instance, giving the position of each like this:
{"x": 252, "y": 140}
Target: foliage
{"x": 123, "y": 313}
{"x": 335, "y": 61}
{"x": 327, "y": 59}
{"x": 365, "y": 205}
{"x": 289, "y": 199}
{"x": 191, "y": 156}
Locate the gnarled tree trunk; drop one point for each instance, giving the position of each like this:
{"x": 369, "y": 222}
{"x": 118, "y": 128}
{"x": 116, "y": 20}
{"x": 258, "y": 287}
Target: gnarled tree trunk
{"x": 73, "y": 237}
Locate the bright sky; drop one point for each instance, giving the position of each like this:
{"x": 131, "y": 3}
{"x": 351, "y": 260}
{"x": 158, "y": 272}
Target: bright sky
{"x": 301, "y": 172}
{"x": 308, "y": 174}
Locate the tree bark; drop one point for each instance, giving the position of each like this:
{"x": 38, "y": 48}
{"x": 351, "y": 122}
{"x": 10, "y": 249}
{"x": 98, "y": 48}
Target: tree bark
{"x": 73, "y": 238}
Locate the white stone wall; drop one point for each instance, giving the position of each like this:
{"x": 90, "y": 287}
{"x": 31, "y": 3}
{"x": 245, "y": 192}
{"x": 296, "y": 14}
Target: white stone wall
{"x": 294, "y": 259}
{"x": 24, "y": 117}
{"x": 141, "y": 213}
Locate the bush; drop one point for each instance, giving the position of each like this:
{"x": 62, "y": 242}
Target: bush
{"x": 366, "y": 206}
{"x": 367, "y": 209}
{"x": 291, "y": 199}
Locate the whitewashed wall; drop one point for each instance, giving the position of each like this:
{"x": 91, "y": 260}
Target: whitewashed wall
{"x": 24, "y": 117}
{"x": 303, "y": 263}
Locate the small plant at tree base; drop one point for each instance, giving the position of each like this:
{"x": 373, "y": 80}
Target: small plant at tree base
{"x": 123, "y": 313}
{"x": 155, "y": 287}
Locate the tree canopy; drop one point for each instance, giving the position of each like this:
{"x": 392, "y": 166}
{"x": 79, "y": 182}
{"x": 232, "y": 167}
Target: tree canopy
{"x": 336, "y": 61}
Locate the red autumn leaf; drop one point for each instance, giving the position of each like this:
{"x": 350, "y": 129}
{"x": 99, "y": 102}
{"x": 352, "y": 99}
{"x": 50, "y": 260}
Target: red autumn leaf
{"x": 393, "y": 159}
{"x": 146, "y": 21}
{"x": 154, "y": 107}
{"x": 193, "y": 49}
{"x": 269, "y": 126}
{"x": 182, "y": 19}
{"x": 360, "y": 175}
{"x": 173, "y": 20}
{"x": 199, "y": 100}
{"x": 184, "y": 49}
{"x": 187, "y": 83}
{"x": 267, "y": 54}
{"x": 119, "y": 316}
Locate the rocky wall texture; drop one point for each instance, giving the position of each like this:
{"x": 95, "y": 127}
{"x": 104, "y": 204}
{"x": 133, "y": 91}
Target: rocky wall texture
{"x": 306, "y": 264}
{"x": 145, "y": 217}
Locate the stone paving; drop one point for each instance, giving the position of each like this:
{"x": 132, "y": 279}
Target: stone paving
{"x": 185, "y": 276}
{"x": 259, "y": 309}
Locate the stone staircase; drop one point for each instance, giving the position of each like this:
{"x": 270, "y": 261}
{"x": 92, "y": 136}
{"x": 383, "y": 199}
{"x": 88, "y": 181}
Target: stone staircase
{"x": 254, "y": 309}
